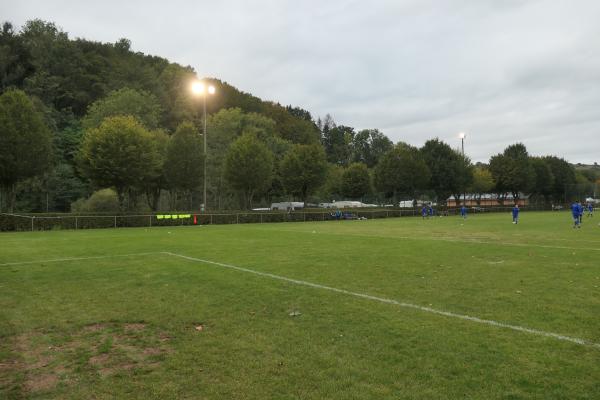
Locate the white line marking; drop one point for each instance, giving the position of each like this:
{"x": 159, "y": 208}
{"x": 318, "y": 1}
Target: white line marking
{"x": 78, "y": 258}
{"x": 398, "y": 303}
{"x": 318, "y": 286}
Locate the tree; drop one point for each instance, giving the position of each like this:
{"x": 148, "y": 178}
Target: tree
{"x": 25, "y": 142}
{"x": 140, "y": 104}
{"x": 337, "y": 142}
{"x": 512, "y": 171}
{"x": 15, "y": 64}
{"x": 332, "y": 187}
{"x": 155, "y": 181}
{"x": 464, "y": 175}
{"x": 356, "y": 181}
{"x": 120, "y": 154}
{"x": 103, "y": 200}
{"x": 402, "y": 170}
{"x": 249, "y": 167}
{"x": 564, "y": 175}
{"x": 544, "y": 179}
{"x": 184, "y": 161}
{"x": 303, "y": 170}
{"x": 369, "y": 145}
{"x": 482, "y": 182}
{"x": 451, "y": 173}
{"x": 224, "y": 127}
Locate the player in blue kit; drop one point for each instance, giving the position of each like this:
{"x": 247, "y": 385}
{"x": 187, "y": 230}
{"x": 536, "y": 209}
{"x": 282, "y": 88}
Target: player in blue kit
{"x": 581, "y": 211}
{"x": 424, "y": 212}
{"x": 575, "y": 212}
{"x": 515, "y": 214}
{"x": 590, "y": 208}
{"x": 463, "y": 212}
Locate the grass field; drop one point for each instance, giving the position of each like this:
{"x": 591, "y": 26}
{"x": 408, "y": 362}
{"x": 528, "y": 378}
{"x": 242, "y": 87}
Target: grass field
{"x": 121, "y": 318}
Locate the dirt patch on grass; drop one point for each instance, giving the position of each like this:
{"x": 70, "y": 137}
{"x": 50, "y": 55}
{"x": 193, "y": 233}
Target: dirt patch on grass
{"x": 134, "y": 327}
{"x": 43, "y": 382}
{"x": 94, "y": 327}
{"x": 42, "y": 360}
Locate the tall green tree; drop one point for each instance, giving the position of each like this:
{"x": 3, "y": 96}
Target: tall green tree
{"x": 402, "y": 171}
{"x": 337, "y": 142}
{"x": 25, "y": 142}
{"x": 512, "y": 171}
{"x": 356, "y": 181}
{"x": 15, "y": 63}
{"x": 249, "y": 167}
{"x": 483, "y": 183}
{"x": 184, "y": 161}
{"x": 155, "y": 180}
{"x": 140, "y": 104}
{"x": 332, "y": 187}
{"x": 119, "y": 153}
{"x": 544, "y": 179}
{"x": 564, "y": 175}
{"x": 224, "y": 127}
{"x": 303, "y": 170}
{"x": 369, "y": 145}
{"x": 450, "y": 171}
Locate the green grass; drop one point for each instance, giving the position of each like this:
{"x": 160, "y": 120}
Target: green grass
{"x": 125, "y": 327}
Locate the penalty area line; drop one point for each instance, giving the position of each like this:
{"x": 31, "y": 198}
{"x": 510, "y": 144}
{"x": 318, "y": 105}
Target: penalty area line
{"x": 54, "y": 260}
{"x": 430, "y": 310}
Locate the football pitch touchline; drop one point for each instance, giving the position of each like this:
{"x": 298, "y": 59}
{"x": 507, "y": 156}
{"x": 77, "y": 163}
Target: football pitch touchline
{"x": 398, "y": 303}
{"x": 332, "y": 289}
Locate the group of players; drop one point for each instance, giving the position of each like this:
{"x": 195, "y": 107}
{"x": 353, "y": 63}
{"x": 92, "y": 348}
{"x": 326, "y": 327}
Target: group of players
{"x": 577, "y": 209}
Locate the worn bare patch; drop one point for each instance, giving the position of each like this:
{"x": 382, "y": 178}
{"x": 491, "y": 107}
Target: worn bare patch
{"x": 43, "y": 382}
{"x": 134, "y": 327}
{"x": 46, "y": 359}
{"x": 94, "y": 327}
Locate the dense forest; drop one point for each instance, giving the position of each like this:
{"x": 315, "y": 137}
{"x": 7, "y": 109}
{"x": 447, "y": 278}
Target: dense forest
{"x": 89, "y": 126}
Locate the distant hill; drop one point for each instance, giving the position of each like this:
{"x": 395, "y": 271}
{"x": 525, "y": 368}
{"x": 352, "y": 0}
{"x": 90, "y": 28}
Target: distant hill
{"x": 67, "y": 75}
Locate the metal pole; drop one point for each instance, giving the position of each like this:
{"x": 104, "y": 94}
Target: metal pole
{"x": 462, "y": 143}
{"x": 204, "y": 172}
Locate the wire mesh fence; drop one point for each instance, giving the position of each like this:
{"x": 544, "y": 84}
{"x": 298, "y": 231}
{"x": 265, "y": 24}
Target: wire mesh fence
{"x": 40, "y": 222}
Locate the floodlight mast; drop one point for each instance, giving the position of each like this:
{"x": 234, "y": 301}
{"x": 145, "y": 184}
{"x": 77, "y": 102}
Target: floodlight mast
{"x": 199, "y": 88}
{"x": 462, "y": 137}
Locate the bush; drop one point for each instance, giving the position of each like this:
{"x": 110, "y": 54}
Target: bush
{"x": 104, "y": 200}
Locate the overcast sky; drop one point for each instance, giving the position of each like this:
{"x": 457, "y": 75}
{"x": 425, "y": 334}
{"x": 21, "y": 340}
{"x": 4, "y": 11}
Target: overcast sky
{"x": 500, "y": 70}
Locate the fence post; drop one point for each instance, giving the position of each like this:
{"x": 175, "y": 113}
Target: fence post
{"x": 304, "y": 216}
{"x": 150, "y": 221}
{"x": 76, "y": 220}
{"x": 237, "y": 217}
{"x": 211, "y": 219}
{"x": 261, "y": 218}
{"x": 115, "y": 221}
{"x": 32, "y": 219}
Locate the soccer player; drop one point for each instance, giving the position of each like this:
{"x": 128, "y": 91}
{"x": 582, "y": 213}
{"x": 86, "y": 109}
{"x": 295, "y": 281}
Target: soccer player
{"x": 424, "y": 212}
{"x": 590, "y": 208}
{"x": 515, "y": 214}
{"x": 581, "y": 211}
{"x": 463, "y": 211}
{"x": 575, "y": 213}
